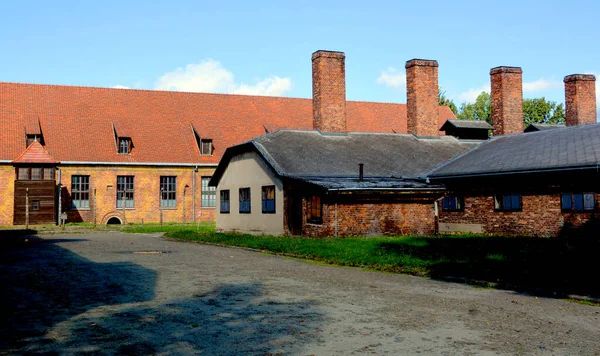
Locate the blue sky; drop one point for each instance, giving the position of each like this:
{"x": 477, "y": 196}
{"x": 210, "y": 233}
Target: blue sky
{"x": 264, "y": 47}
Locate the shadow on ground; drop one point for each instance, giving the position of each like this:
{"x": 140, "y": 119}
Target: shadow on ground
{"x": 553, "y": 267}
{"x": 56, "y": 302}
{"x": 44, "y": 284}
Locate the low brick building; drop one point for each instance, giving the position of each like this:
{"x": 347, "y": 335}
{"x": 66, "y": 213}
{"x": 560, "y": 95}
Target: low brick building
{"x": 141, "y": 155}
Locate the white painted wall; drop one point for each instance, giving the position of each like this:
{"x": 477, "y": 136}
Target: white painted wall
{"x": 249, "y": 170}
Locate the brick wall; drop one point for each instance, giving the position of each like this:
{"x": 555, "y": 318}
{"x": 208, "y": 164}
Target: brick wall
{"x": 507, "y": 100}
{"x": 422, "y": 97}
{"x": 146, "y": 194}
{"x": 541, "y": 216}
{"x": 415, "y": 218}
{"x": 329, "y": 91}
{"x": 580, "y": 99}
{"x": 7, "y": 191}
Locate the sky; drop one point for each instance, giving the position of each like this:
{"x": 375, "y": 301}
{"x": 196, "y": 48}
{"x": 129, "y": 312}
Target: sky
{"x": 264, "y": 47}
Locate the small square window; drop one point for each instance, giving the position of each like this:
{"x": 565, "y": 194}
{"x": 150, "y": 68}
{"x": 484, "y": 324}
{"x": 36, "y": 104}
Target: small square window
{"x": 35, "y": 205}
{"x": 23, "y": 174}
{"x": 206, "y": 147}
{"x": 36, "y": 173}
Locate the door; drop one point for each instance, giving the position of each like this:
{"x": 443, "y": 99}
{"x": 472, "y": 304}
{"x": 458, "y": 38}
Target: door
{"x": 295, "y": 214}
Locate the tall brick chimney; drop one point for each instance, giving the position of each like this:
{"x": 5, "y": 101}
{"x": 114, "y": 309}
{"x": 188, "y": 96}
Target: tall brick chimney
{"x": 507, "y": 100}
{"x": 329, "y": 91}
{"x": 422, "y": 97}
{"x": 580, "y": 99}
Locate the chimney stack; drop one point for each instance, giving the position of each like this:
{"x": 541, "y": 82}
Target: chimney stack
{"x": 580, "y": 99}
{"x": 329, "y": 91}
{"x": 422, "y": 97}
{"x": 507, "y": 100}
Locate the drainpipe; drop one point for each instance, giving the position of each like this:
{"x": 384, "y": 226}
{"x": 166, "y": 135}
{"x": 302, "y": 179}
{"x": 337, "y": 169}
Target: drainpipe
{"x": 194, "y": 194}
{"x": 436, "y": 211}
{"x": 59, "y": 207}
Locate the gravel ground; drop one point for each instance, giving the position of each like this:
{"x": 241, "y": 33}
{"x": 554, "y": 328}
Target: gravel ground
{"x": 110, "y": 293}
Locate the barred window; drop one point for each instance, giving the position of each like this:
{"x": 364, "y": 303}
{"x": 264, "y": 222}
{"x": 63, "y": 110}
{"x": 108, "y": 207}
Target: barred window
{"x": 125, "y": 191}
{"x": 268, "y": 199}
{"x": 36, "y": 173}
{"x": 224, "y": 201}
{"x": 209, "y": 194}
{"x": 23, "y": 174}
{"x": 245, "y": 204}
{"x": 80, "y": 192}
{"x": 168, "y": 187}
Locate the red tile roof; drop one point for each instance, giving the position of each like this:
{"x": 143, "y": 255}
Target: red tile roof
{"x": 35, "y": 153}
{"x": 77, "y": 122}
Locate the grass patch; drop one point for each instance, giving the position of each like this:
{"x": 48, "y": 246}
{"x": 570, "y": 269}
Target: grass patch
{"x": 554, "y": 267}
{"x": 170, "y": 227}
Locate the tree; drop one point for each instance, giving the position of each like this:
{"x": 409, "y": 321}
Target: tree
{"x": 481, "y": 109}
{"x": 444, "y": 101}
{"x": 541, "y": 111}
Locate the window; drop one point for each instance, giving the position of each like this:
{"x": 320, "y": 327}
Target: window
{"x": 577, "y": 201}
{"x": 35, "y": 205}
{"x": 206, "y": 147}
{"x": 35, "y": 173}
{"x": 124, "y": 145}
{"x": 453, "y": 203}
{"x": 268, "y": 199}
{"x": 209, "y": 194}
{"x": 245, "y": 201}
{"x": 314, "y": 210}
{"x": 168, "y": 189}
{"x": 31, "y": 138}
{"x": 23, "y": 174}
{"x": 80, "y": 192}
{"x": 224, "y": 201}
{"x": 508, "y": 202}
{"x": 124, "y": 191}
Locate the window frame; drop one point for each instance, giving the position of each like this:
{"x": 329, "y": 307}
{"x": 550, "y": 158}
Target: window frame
{"x": 126, "y": 189}
{"x": 245, "y": 200}
{"x": 314, "y": 209}
{"x": 266, "y": 201}
{"x": 168, "y": 192}
{"x": 77, "y": 192}
{"x": 208, "y": 194}
{"x": 35, "y": 205}
{"x": 499, "y": 204}
{"x": 573, "y": 208}
{"x": 459, "y": 203}
{"x": 29, "y": 171}
{"x": 224, "y": 204}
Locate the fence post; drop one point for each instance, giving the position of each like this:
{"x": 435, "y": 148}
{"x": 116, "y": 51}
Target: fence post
{"x": 26, "y": 208}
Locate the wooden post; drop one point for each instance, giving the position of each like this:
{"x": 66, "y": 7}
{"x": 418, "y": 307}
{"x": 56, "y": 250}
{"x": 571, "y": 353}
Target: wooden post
{"x": 184, "y": 189}
{"x": 124, "y": 200}
{"x": 26, "y": 208}
{"x": 94, "y": 207}
{"x": 160, "y": 206}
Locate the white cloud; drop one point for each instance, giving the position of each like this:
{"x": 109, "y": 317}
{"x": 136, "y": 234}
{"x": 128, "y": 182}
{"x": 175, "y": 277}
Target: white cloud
{"x": 541, "y": 85}
{"x": 121, "y": 87}
{"x": 471, "y": 95}
{"x": 392, "y": 77}
{"x": 210, "y": 76}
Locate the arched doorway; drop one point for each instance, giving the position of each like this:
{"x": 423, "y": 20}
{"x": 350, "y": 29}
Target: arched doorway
{"x": 114, "y": 221}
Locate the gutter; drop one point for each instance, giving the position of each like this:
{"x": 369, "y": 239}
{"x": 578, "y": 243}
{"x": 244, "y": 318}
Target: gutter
{"x": 528, "y": 171}
{"x": 138, "y": 164}
{"x": 387, "y": 189}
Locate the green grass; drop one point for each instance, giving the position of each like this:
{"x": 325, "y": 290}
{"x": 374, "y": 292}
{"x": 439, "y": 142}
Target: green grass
{"x": 544, "y": 266}
{"x": 170, "y": 227}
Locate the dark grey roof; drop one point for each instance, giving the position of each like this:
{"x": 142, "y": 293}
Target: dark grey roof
{"x": 573, "y": 147}
{"x": 541, "y": 127}
{"x": 371, "y": 183}
{"x": 312, "y": 154}
{"x": 467, "y": 124}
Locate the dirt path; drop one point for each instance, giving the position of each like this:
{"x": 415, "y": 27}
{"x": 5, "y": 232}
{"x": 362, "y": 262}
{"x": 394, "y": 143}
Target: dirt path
{"x": 90, "y": 293}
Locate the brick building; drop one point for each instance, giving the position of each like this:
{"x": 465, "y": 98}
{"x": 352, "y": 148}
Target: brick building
{"x": 124, "y": 155}
{"x": 541, "y": 183}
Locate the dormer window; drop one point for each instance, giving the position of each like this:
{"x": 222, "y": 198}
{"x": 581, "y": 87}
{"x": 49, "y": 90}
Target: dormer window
{"x": 124, "y": 145}
{"x": 32, "y": 138}
{"x": 206, "y": 147}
